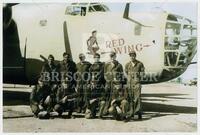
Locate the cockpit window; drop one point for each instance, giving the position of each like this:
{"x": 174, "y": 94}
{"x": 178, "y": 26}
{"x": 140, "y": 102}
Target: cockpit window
{"x": 99, "y": 8}
{"x": 82, "y": 8}
{"x": 76, "y": 10}
{"x": 91, "y": 9}
{"x": 105, "y": 7}
{"x": 171, "y": 18}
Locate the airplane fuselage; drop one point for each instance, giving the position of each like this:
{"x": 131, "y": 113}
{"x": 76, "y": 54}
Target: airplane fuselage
{"x": 53, "y": 33}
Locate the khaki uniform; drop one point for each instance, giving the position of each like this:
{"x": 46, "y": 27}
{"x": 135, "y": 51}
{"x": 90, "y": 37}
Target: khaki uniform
{"x": 50, "y": 74}
{"x": 40, "y": 96}
{"x": 69, "y": 104}
{"x": 83, "y": 77}
{"x": 113, "y": 74}
{"x": 119, "y": 105}
{"x": 68, "y": 70}
{"x": 134, "y": 72}
{"x": 95, "y": 90}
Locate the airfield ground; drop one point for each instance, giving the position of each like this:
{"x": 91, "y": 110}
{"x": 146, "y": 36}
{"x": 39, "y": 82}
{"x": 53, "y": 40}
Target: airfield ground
{"x": 168, "y": 107}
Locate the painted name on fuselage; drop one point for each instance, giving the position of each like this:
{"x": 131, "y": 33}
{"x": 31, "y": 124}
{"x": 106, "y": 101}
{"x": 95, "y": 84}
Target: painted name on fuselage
{"x": 120, "y": 47}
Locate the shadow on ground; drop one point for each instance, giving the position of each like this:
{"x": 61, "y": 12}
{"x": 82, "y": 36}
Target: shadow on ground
{"x": 22, "y": 98}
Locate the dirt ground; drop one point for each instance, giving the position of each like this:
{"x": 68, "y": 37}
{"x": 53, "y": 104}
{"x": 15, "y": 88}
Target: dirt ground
{"x": 167, "y": 107}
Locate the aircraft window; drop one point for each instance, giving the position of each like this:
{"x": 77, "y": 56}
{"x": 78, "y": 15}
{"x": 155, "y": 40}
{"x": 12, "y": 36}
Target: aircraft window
{"x": 105, "y": 7}
{"x": 182, "y": 60}
{"x": 76, "y": 10}
{"x": 172, "y": 43}
{"x": 172, "y": 29}
{"x": 73, "y": 10}
{"x": 170, "y": 58}
{"x": 183, "y": 55}
{"x": 172, "y": 18}
{"x": 187, "y": 21}
{"x": 99, "y": 8}
{"x": 175, "y": 18}
{"x": 189, "y": 30}
{"x": 68, "y": 10}
{"x": 91, "y": 9}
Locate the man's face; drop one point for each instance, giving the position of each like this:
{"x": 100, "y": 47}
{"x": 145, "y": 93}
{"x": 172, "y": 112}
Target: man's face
{"x": 41, "y": 84}
{"x": 96, "y": 59}
{"x": 66, "y": 58}
{"x": 50, "y": 60}
{"x": 82, "y": 58}
{"x": 94, "y": 34}
{"x": 64, "y": 84}
{"x": 113, "y": 58}
{"x": 132, "y": 57}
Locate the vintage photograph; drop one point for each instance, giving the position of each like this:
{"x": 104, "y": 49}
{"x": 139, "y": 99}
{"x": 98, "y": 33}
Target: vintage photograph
{"x": 100, "y": 67}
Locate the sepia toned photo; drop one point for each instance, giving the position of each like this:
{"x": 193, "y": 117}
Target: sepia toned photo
{"x": 100, "y": 67}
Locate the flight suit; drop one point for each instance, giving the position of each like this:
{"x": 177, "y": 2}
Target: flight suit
{"x": 119, "y": 105}
{"x": 51, "y": 76}
{"x": 82, "y": 79}
{"x": 68, "y": 69}
{"x": 134, "y": 72}
{"x": 95, "y": 91}
{"x": 63, "y": 104}
{"x": 113, "y": 74}
{"x": 40, "y": 99}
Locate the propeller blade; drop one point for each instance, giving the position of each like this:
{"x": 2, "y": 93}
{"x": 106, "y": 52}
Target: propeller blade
{"x": 66, "y": 39}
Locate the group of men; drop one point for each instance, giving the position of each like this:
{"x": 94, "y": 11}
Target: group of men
{"x": 97, "y": 89}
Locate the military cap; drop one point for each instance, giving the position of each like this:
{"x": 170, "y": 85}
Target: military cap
{"x": 81, "y": 55}
{"x": 132, "y": 53}
{"x": 112, "y": 54}
{"x": 50, "y": 56}
{"x": 94, "y": 31}
{"x": 64, "y": 54}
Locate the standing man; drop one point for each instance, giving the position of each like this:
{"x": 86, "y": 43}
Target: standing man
{"x": 134, "y": 69}
{"x": 83, "y": 77}
{"x": 67, "y": 70}
{"x": 65, "y": 94}
{"x": 50, "y": 76}
{"x": 50, "y": 71}
{"x": 113, "y": 74}
{"x": 96, "y": 91}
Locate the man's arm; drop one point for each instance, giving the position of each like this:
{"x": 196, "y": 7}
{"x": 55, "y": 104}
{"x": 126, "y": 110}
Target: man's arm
{"x": 33, "y": 96}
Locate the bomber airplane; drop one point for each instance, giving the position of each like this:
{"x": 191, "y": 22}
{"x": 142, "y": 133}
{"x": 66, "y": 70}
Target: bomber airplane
{"x": 166, "y": 43}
